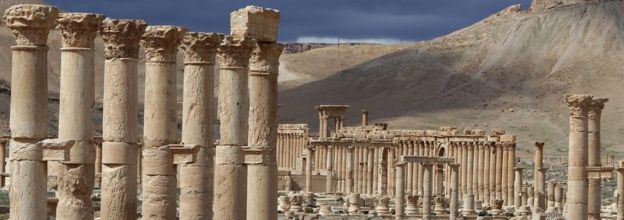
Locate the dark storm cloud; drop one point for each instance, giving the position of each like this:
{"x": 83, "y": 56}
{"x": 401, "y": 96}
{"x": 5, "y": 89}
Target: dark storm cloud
{"x": 351, "y": 19}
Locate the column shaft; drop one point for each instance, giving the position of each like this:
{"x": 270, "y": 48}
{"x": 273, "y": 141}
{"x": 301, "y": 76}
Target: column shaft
{"x": 454, "y": 200}
{"x": 427, "y": 194}
{"x": 30, "y": 25}
{"x": 400, "y": 191}
{"x": 576, "y": 199}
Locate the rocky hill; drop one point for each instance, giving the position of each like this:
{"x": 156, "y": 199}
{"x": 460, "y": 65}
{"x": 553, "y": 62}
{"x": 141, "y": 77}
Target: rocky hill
{"x": 508, "y": 71}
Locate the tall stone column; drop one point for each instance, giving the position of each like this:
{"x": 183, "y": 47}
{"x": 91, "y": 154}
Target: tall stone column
{"x": 427, "y": 190}
{"x": 400, "y": 190}
{"x": 350, "y": 169}
{"x": 308, "y": 169}
{"x": 330, "y": 169}
{"x": 369, "y": 171}
{"x": 262, "y": 171}
{"x": 160, "y": 123}
{"x": 518, "y": 188}
{"x": 593, "y": 136}
{"x": 620, "y": 193}
{"x": 454, "y": 200}
{"x": 577, "y": 157}
{"x": 470, "y": 177}
{"x": 492, "y": 172}
{"x": 504, "y": 179}
{"x": 230, "y": 184}
{"x": 464, "y": 166}
{"x": 486, "y": 173}
{"x": 539, "y": 178}
{"x": 120, "y": 118}
{"x": 30, "y": 25}
{"x": 480, "y": 174}
{"x": 511, "y": 164}
{"x": 499, "y": 170}
{"x": 77, "y": 96}
{"x": 196, "y": 179}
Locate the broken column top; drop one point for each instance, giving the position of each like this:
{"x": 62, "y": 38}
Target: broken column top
{"x": 121, "y": 37}
{"x": 257, "y": 22}
{"x": 79, "y": 29}
{"x": 265, "y": 58}
{"x": 161, "y": 42}
{"x": 31, "y": 23}
{"x": 200, "y": 47}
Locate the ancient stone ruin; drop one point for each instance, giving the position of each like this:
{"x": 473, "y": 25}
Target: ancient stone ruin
{"x": 255, "y": 168}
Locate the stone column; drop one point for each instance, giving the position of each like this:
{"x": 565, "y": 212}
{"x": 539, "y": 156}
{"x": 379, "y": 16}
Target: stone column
{"x": 439, "y": 182}
{"x": 539, "y": 177}
{"x": 480, "y": 174}
{"x": 364, "y": 117}
{"x": 620, "y": 193}
{"x": 230, "y": 184}
{"x": 427, "y": 194}
{"x": 419, "y": 184}
{"x": 160, "y": 123}
{"x": 77, "y": 96}
{"x": 98, "y": 163}
{"x": 369, "y": 171}
{"x": 3, "y": 145}
{"x": 262, "y": 171}
{"x": 593, "y": 137}
{"x": 471, "y": 170}
{"x": 400, "y": 190}
{"x": 511, "y": 164}
{"x": 454, "y": 200}
{"x": 486, "y": 173}
{"x": 308, "y": 169}
{"x": 499, "y": 170}
{"x": 196, "y": 188}
{"x": 577, "y": 157}
{"x": 120, "y": 118}
{"x": 518, "y": 189}
{"x": 330, "y": 169}
{"x": 558, "y": 197}
{"x": 492, "y": 173}
{"x": 464, "y": 166}
{"x": 30, "y": 25}
{"x": 551, "y": 196}
{"x": 350, "y": 169}
{"x": 504, "y": 179}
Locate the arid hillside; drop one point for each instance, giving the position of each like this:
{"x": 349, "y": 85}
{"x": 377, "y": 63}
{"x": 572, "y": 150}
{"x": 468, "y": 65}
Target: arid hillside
{"x": 508, "y": 71}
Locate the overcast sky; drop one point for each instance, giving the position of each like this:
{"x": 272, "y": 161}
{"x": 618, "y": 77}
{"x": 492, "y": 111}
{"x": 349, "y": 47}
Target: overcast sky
{"x": 310, "y": 20}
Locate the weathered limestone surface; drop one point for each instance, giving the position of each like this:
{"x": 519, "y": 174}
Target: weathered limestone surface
{"x": 454, "y": 199}
{"x": 576, "y": 199}
{"x": 257, "y": 22}
{"x": 160, "y": 124}
{"x": 593, "y": 137}
{"x": 77, "y": 95}
{"x": 120, "y": 118}
{"x": 30, "y": 25}
{"x": 230, "y": 174}
{"x": 400, "y": 190}
{"x": 196, "y": 179}
{"x": 261, "y": 164}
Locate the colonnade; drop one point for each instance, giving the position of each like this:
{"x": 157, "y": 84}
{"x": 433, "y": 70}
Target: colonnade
{"x": 241, "y": 169}
{"x": 291, "y": 142}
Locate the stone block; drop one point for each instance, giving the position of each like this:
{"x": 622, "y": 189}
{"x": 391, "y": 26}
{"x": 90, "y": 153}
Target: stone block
{"x": 259, "y": 23}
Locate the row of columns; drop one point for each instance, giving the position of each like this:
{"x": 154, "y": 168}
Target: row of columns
{"x": 487, "y": 169}
{"x": 290, "y": 147}
{"x": 195, "y": 157}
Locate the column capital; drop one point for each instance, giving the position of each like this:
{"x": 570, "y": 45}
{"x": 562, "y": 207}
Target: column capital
{"x": 596, "y": 106}
{"x": 578, "y": 104}
{"x": 265, "y": 58}
{"x": 539, "y": 145}
{"x": 79, "y": 29}
{"x": 454, "y": 165}
{"x": 200, "y": 47}
{"x": 30, "y": 24}
{"x": 235, "y": 53}
{"x": 161, "y": 42}
{"x": 121, "y": 37}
